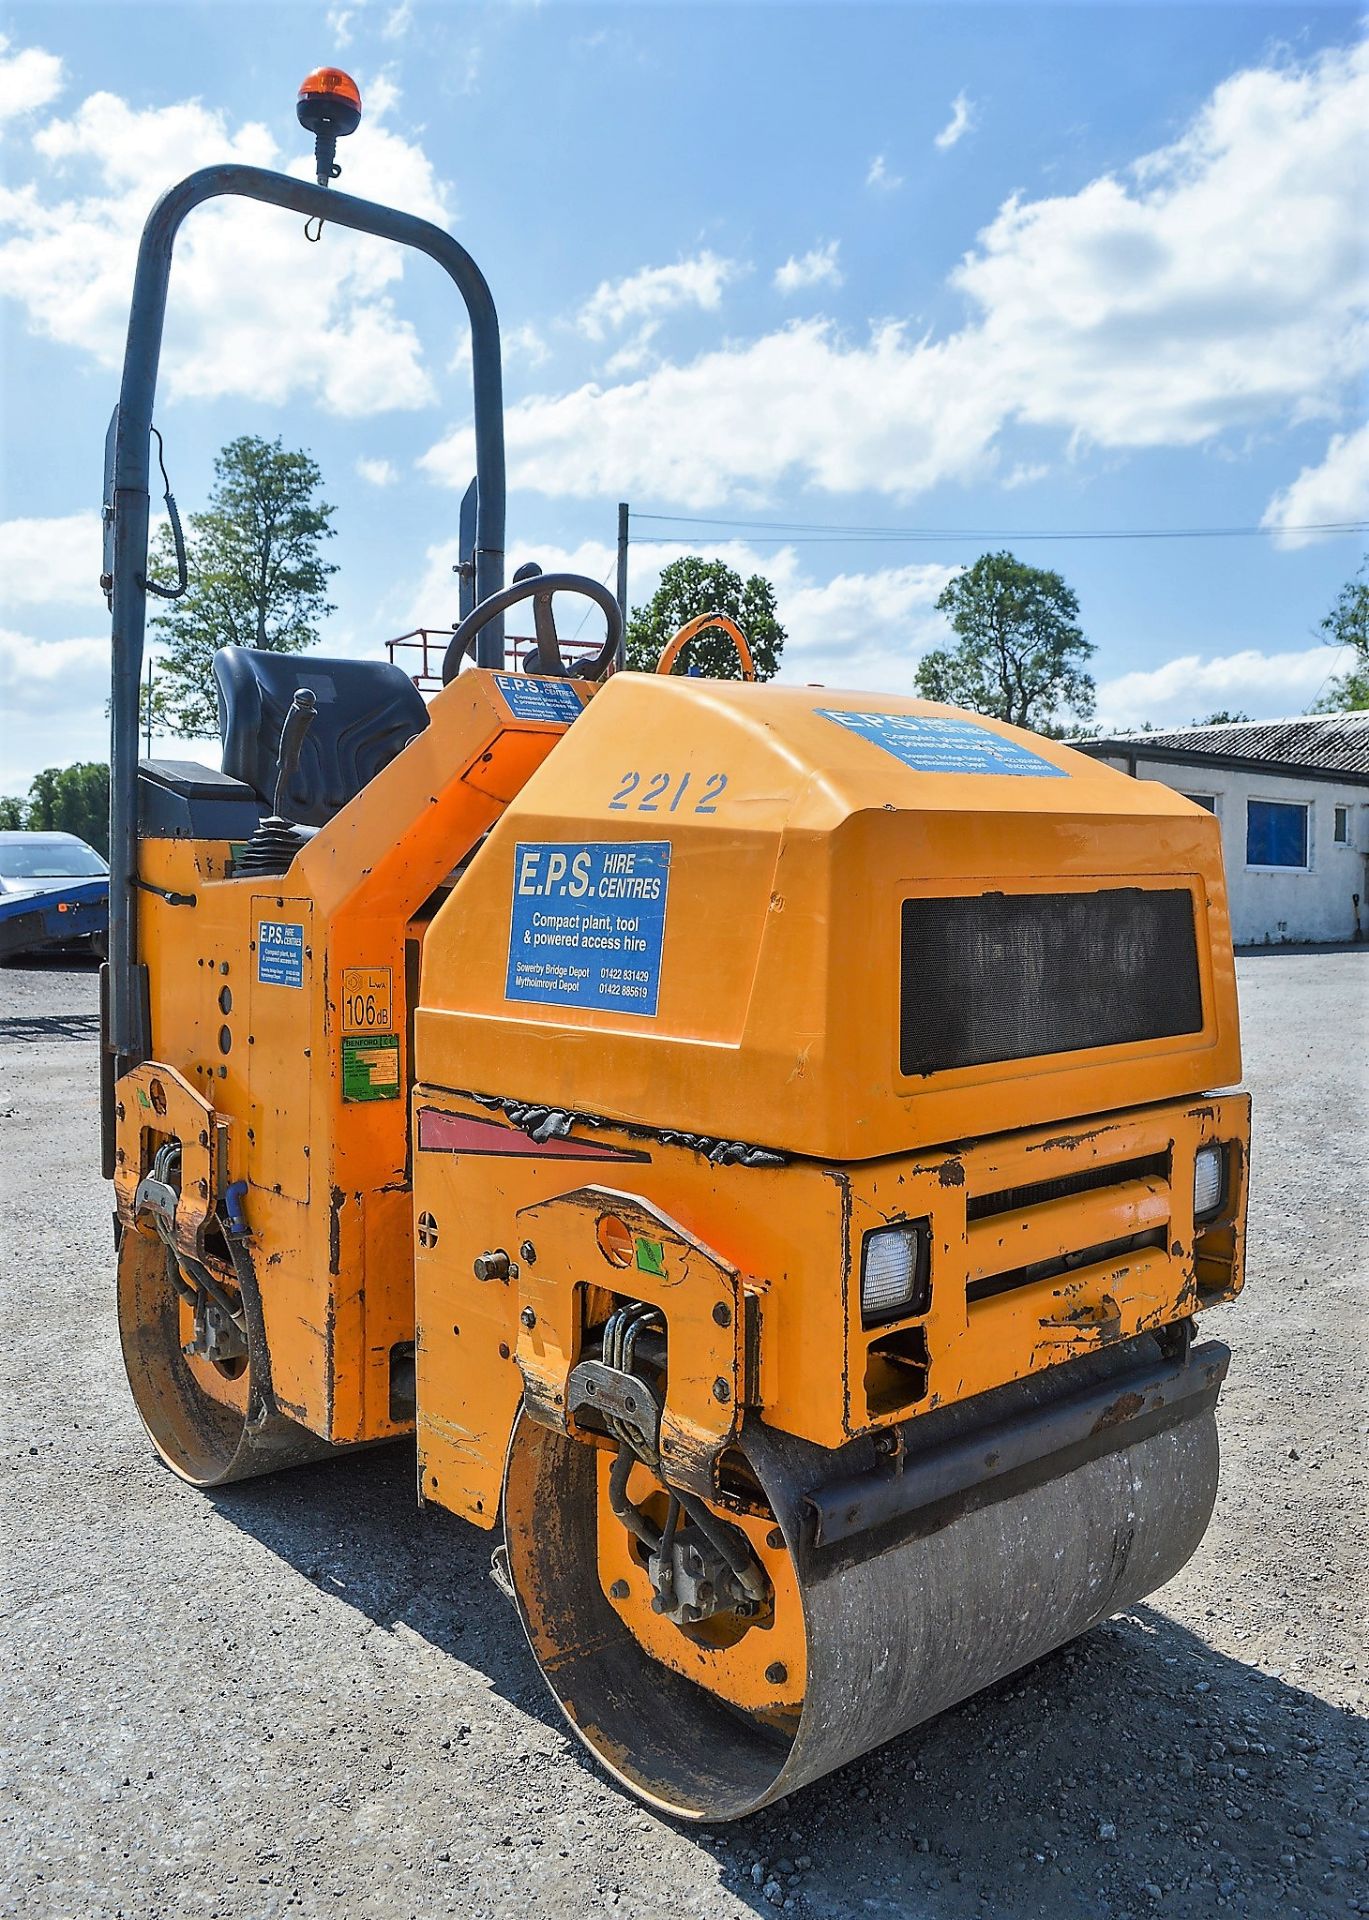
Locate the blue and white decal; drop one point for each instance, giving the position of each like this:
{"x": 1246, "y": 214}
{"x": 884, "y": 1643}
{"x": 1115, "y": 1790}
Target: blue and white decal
{"x": 280, "y": 954}
{"x": 588, "y": 924}
{"x": 529, "y": 697}
{"x": 930, "y": 744}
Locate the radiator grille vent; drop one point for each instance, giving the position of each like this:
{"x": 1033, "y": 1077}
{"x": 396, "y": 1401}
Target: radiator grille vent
{"x": 1108, "y": 1173}
{"x": 1004, "y": 976}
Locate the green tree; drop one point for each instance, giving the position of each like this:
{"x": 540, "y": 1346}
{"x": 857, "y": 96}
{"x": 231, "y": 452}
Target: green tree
{"x": 1223, "y": 717}
{"x": 692, "y": 586}
{"x": 71, "y": 799}
{"x": 1020, "y": 652}
{"x": 257, "y": 575}
{"x": 1347, "y": 625}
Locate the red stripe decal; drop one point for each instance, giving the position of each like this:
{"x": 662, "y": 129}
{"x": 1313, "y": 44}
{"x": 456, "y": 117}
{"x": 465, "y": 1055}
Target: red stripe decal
{"x": 440, "y": 1132}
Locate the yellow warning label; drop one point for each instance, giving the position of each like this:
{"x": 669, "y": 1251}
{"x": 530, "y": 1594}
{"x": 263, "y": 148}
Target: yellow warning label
{"x": 366, "y": 1000}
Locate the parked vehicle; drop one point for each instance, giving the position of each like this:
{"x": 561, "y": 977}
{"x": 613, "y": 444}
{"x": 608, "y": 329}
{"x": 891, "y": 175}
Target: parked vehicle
{"x": 54, "y": 892}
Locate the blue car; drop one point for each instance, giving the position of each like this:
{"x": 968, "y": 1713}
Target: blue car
{"x": 54, "y": 893}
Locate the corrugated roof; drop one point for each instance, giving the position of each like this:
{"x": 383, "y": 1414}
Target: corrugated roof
{"x": 1333, "y": 742}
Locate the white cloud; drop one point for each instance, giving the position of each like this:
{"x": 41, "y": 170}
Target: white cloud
{"x": 253, "y": 311}
{"x": 1024, "y": 473}
{"x": 634, "y": 354}
{"x": 51, "y": 562}
{"x": 1337, "y": 490}
{"x": 812, "y": 269}
{"x": 29, "y": 80}
{"x": 526, "y": 343}
{"x": 1172, "y": 694}
{"x": 52, "y": 693}
{"x": 642, "y": 300}
{"x": 398, "y": 20}
{"x": 645, "y": 297}
{"x": 739, "y": 420}
{"x": 1225, "y": 280}
{"x": 382, "y": 96}
{"x": 35, "y": 664}
{"x": 881, "y": 177}
{"x": 338, "y": 21}
{"x": 863, "y": 630}
{"x": 1222, "y": 284}
{"x": 377, "y": 473}
{"x": 960, "y": 123}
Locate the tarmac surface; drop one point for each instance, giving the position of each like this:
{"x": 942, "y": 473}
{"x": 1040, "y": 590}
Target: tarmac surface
{"x": 299, "y": 1696}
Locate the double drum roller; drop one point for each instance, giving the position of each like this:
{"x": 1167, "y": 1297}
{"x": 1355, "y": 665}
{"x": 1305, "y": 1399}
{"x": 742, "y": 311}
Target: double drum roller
{"x": 755, "y": 1138}
{"x": 876, "y": 1643}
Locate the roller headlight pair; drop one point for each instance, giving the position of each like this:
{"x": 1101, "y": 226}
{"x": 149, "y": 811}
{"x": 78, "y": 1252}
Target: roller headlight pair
{"x": 895, "y": 1272}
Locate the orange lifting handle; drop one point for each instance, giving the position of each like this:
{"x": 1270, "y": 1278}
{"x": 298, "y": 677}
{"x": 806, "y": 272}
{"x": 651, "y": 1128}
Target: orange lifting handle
{"x": 693, "y": 627}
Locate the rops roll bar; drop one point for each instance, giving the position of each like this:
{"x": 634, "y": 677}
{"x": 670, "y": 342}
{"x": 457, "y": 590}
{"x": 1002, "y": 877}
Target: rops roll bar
{"x": 126, "y": 507}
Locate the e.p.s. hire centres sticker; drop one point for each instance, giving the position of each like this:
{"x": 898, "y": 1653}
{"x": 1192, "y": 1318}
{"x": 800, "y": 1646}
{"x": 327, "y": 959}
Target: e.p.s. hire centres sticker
{"x": 280, "y": 953}
{"x": 930, "y": 744}
{"x": 534, "y": 698}
{"x": 588, "y": 924}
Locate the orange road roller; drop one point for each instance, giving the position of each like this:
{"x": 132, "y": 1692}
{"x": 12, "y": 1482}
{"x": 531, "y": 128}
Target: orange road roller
{"x": 758, "y": 1139}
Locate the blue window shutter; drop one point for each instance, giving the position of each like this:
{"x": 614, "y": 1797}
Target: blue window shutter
{"x": 1275, "y": 834}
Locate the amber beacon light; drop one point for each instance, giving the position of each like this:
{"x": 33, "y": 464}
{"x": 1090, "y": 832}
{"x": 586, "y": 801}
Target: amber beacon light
{"x": 329, "y": 107}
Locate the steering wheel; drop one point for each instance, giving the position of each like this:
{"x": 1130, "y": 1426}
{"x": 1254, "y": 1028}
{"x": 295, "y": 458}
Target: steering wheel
{"x": 692, "y": 628}
{"x": 530, "y": 583}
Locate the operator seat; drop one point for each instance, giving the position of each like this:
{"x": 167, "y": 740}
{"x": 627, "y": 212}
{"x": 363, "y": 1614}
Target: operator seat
{"x": 368, "y": 711}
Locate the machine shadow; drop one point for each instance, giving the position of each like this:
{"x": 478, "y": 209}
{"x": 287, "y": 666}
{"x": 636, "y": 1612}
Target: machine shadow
{"x": 20, "y": 1027}
{"x": 1135, "y": 1767}
{"x": 62, "y": 961}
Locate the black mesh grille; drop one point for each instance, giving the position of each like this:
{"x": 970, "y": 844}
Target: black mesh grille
{"x": 1111, "y": 1173}
{"x": 1007, "y": 976}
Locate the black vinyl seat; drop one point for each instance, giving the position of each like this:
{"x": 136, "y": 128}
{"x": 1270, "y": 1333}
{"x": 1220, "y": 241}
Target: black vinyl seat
{"x": 368, "y": 711}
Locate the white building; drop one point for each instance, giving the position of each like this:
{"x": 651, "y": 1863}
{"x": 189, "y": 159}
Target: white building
{"x": 1293, "y": 800}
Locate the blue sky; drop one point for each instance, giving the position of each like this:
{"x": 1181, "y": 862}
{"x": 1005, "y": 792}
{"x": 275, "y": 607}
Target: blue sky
{"x": 997, "y": 269}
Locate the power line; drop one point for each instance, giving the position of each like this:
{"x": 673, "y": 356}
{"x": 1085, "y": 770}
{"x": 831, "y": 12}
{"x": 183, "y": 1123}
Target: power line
{"x": 1331, "y": 671}
{"x": 589, "y": 606}
{"x": 819, "y": 533}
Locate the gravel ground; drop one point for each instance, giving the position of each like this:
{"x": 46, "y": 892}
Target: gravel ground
{"x": 298, "y": 1697}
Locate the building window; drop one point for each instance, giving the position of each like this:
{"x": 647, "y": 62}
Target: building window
{"x": 1341, "y": 832}
{"x": 1275, "y": 834}
{"x": 1208, "y": 800}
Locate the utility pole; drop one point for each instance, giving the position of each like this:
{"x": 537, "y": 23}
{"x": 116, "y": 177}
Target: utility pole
{"x": 622, "y": 579}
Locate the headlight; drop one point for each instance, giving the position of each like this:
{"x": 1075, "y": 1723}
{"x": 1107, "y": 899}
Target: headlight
{"x": 1209, "y": 1181}
{"x": 895, "y": 1272}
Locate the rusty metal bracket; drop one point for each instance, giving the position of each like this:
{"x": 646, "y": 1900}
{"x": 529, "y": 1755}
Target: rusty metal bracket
{"x": 699, "y": 1292}
{"x": 154, "y": 1104}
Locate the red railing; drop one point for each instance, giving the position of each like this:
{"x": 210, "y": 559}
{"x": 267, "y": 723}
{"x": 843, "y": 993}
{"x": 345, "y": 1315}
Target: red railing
{"x": 424, "y": 648}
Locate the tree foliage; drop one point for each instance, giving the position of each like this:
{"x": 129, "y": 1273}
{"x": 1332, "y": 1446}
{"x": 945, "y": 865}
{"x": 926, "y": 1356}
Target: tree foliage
{"x": 692, "y": 586}
{"x": 1020, "y": 653}
{"x": 1347, "y": 625}
{"x": 257, "y": 575}
{"x": 71, "y": 799}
